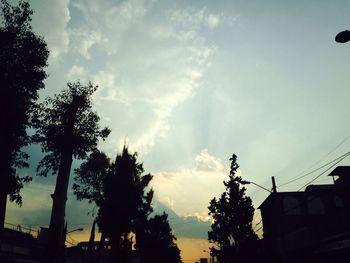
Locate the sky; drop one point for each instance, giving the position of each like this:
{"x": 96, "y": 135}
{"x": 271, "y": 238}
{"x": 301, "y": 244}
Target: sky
{"x": 188, "y": 83}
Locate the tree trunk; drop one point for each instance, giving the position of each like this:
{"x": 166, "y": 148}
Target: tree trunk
{"x": 100, "y": 252}
{"x": 5, "y": 173}
{"x": 3, "y": 200}
{"x": 56, "y": 228}
{"x": 102, "y": 241}
{"x": 92, "y": 237}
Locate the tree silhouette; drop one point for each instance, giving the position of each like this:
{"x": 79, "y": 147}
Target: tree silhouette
{"x": 127, "y": 201}
{"x": 66, "y": 127}
{"x": 89, "y": 181}
{"x": 23, "y": 57}
{"x": 232, "y": 214}
{"x": 90, "y": 176}
{"x": 157, "y": 242}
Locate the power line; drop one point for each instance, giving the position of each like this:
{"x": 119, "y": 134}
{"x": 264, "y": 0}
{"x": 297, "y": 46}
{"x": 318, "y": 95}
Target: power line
{"x": 325, "y": 171}
{"x": 22, "y": 227}
{"x": 72, "y": 239}
{"x": 70, "y": 192}
{"x": 45, "y": 224}
{"x": 315, "y": 170}
{"x": 330, "y": 152}
{"x": 337, "y": 160}
{"x": 39, "y": 188}
{"x": 70, "y": 243}
{"x": 190, "y": 222}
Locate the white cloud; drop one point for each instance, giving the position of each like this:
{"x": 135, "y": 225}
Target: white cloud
{"x": 213, "y": 21}
{"x": 207, "y": 162}
{"x": 159, "y": 128}
{"x": 108, "y": 89}
{"x": 196, "y": 19}
{"x": 125, "y": 13}
{"x": 88, "y": 41}
{"x": 145, "y": 69}
{"x": 55, "y": 32}
{"x": 76, "y": 72}
{"x": 189, "y": 190}
{"x": 189, "y": 18}
{"x": 83, "y": 39}
{"x": 142, "y": 70}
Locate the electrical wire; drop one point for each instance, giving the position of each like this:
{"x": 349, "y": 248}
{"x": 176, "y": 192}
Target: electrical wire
{"x": 329, "y": 153}
{"x": 70, "y": 243}
{"x": 325, "y": 171}
{"x": 315, "y": 170}
{"x": 20, "y": 225}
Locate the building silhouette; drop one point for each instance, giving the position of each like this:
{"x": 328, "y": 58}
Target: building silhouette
{"x": 309, "y": 226}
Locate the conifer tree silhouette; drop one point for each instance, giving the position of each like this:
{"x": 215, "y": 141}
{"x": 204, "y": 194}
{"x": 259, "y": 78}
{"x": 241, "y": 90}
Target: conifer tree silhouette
{"x": 232, "y": 214}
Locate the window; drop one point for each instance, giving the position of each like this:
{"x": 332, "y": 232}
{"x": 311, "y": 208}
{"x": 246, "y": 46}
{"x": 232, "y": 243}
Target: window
{"x": 291, "y": 205}
{"x": 315, "y": 205}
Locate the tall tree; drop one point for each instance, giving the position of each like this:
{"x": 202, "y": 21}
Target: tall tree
{"x": 66, "y": 128}
{"x": 23, "y": 57}
{"x": 127, "y": 201}
{"x": 89, "y": 182}
{"x": 157, "y": 239}
{"x": 231, "y": 231}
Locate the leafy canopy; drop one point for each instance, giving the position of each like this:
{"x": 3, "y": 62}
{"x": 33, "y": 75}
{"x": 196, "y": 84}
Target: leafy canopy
{"x": 232, "y": 214}
{"x": 23, "y": 57}
{"x": 157, "y": 239}
{"x": 121, "y": 192}
{"x": 66, "y": 124}
{"x": 126, "y": 197}
{"x": 90, "y": 177}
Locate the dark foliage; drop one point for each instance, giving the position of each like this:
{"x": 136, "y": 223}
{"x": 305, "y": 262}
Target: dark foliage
{"x": 156, "y": 242}
{"x": 232, "y": 213}
{"x": 23, "y": 57}
{"x": 88, "y": 182}
{"x": 126, "y": 202}
{"x": 67, "y": 128}
{"x": 66, "y": 124}
{"x": 120, "y": 191}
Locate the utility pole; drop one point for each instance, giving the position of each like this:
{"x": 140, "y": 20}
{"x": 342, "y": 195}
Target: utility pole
{"x": 274, "y": 190}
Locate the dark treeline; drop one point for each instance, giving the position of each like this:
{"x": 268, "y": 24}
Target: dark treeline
{"x": 120, "y": 190}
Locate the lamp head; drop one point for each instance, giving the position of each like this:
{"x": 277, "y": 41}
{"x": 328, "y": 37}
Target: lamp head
{"x": 343, "y": 37}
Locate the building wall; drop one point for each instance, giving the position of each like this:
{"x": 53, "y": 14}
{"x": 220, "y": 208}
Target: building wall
{"x": 297, "y": 222}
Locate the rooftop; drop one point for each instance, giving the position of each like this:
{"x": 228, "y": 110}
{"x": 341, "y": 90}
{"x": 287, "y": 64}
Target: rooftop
{"x": 341, "y": 171}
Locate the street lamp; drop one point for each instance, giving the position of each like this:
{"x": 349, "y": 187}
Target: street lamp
{"x": 343, "y": 37}
{"x": 247, "y": 182}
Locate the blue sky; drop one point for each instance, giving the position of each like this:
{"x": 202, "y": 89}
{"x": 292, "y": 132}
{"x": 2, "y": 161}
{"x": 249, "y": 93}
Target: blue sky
{"x": 188, "y": 83}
